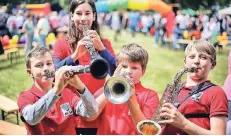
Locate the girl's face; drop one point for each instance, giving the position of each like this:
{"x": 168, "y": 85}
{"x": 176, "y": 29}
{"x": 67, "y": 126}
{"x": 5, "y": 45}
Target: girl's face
{"x": 200, "y": 61}
{"x": 83, "y": 14}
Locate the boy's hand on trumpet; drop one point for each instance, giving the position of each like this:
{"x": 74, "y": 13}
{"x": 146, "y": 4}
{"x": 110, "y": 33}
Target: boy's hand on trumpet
{"x": 77, "y": 83}
{"x": 62, "y": 78}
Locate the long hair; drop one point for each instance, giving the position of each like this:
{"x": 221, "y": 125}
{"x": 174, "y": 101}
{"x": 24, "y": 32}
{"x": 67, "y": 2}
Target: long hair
{"x": 73, "y": 33}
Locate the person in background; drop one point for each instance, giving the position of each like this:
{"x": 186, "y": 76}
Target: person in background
{"x": 43, "y": 28}
{"x": 28, "y": 29}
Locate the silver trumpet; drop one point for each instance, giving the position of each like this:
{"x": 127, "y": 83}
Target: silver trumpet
{"x": 117, "y": 90}
{"x": 99, "y": 67}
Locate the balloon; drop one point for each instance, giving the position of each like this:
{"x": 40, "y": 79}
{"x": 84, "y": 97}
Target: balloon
{"x": 50, "y": 38}
{"x": 5, "y": 40}
{"x": 15, "y": 39}
{"x": 185, "y": 34}
{"x": 160, "y": 7}
{"x": 139, "y": 4}
{"x": 117, "y": 4}
{"x": 102, "y": 6}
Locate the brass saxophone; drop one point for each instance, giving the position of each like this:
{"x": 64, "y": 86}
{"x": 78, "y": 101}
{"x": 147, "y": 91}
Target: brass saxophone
{"x": 99, "y": 67}
{"x": 151, "y": 127}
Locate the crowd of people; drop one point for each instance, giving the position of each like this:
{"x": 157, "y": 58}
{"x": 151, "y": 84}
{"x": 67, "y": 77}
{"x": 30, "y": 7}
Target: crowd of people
{"x": 69, "y": 103}
{"x": 180, "y": 26}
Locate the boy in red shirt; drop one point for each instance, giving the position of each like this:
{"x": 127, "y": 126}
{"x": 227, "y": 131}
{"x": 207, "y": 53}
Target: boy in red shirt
{"x": 50, "y": 109}
{"x": 121, "y": 119}
{"x": 205, "y": 112}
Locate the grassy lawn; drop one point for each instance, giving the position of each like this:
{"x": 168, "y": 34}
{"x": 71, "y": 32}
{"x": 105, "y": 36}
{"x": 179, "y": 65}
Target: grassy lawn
{"x": 163, "y": 64}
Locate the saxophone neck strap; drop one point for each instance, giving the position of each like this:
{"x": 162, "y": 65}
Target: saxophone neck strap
{"x": 199, "y": 88}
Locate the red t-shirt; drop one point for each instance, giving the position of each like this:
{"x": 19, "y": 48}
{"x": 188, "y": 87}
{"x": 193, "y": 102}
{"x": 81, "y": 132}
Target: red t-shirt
{"x": 54, "y": 122}
{"x": 212, "y": 101}
{"x": 116, "y": 119}
{"x": 62, "y": 50}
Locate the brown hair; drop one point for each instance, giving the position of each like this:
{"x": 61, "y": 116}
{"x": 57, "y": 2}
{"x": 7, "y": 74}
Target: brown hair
{"x": 35, "y": 53}
{"x": 204, "y": 47}
{"x": 134, "y": 53}
{"x": 73, "y": 33}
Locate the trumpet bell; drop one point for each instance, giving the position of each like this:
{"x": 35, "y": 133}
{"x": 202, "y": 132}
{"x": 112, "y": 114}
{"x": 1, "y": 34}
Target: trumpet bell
{"x": 117, "y": 90}
{"x": 148, "y": 127}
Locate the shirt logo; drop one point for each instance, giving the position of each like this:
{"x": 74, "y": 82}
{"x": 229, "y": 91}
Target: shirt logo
{"x": 197, "y": 97}
{"x": 66, "y": 109}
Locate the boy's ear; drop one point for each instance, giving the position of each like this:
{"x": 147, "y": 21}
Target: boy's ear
{"x": 143, "y": 72}
{"x": 213, "y": 65}
{"x": 28, "y": 70}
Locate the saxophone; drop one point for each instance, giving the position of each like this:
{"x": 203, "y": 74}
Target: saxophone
{"x": 151, "y": 127}
{"x": 99, "y": 67}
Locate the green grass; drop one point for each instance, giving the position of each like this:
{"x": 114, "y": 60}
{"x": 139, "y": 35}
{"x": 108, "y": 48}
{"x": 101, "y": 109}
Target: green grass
{"x": 163, "y": 64}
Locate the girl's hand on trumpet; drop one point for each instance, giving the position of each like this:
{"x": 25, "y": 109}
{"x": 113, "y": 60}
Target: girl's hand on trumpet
{"x": 80, "y": 49}
{"x": 96, "y": 40}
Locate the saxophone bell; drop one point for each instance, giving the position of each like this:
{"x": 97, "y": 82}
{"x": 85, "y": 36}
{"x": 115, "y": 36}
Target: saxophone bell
{"x": 148, "y": 127}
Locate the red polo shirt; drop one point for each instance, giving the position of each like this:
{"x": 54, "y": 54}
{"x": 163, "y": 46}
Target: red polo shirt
{"x": 212, "y": 101}
{"x": 54, "y": 122}
{"x": 116, "y": 119}
{"x": 62, "y": 50}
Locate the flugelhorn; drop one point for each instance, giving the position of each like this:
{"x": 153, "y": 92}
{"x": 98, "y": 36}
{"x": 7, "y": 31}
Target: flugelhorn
{"x": 151, "y": 127}
{"x": 99, "y": 66}
{"x": 117, "y": 90}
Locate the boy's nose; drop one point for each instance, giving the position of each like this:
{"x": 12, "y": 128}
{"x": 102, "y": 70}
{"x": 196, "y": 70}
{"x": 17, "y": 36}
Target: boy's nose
{"x": 128, "y": 71}
{"x": 196, "y": 60}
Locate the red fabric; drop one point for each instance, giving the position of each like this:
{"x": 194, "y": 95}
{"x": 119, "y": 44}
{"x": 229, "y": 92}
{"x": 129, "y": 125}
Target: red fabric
{"x": 213, "y": 101}
{"x": 54, "y": 122}
{"x": 115, "y": 119}
{"x": 62, "y": 50}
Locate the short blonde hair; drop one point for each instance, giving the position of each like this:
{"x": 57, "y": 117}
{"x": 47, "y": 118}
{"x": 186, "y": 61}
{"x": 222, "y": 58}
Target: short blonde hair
{"x": 134, "y": 53}
{"x": 203, "y": 46}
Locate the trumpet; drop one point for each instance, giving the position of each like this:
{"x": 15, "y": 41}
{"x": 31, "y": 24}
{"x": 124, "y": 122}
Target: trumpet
{"x": 99, "y": 66}
{"x": 117, "y": 90}
{"x": 151, "y": 127}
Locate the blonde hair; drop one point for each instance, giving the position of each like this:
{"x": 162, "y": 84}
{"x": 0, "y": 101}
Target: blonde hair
{"x": 203, "y": 46}
{"x": 35, "y": 53}
{"x": 134, "y": 53}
